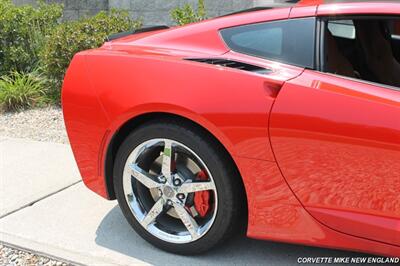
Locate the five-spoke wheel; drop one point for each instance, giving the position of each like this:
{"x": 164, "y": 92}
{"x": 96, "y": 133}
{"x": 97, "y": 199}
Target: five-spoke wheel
{"x": 173, "y": 190}
{"x": 176, "y": 188}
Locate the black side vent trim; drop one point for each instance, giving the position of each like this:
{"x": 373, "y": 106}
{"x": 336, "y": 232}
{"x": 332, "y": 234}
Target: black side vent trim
{"x": 231, "y": 64}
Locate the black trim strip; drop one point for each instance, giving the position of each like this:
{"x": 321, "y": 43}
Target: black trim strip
{"x": 132, "y": 32}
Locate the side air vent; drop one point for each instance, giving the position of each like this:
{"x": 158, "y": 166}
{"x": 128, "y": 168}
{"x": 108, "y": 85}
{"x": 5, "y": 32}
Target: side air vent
{"x": 232, "y": 64}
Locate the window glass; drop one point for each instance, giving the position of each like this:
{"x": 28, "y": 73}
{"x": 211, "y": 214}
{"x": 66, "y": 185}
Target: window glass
{"x": 288, "y": 41}
{"x": 364, "y": 48}
{"x": 267, "y": 41}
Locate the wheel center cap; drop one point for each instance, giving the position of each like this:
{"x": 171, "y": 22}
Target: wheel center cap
{"x": 168, "y": 191}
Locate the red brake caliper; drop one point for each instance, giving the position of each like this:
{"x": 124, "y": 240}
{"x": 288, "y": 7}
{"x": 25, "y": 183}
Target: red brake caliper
{"x": 202, "y": 198}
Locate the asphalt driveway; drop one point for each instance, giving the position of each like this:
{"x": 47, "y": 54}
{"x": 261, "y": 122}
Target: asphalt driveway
{"x": 44, "y": 207}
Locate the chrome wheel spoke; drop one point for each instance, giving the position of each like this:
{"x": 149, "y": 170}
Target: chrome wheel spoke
{"x": 196, "y": 187}
{"x": 154, "y": 212}
{"x": 164, "y": 190}
{"x": 143, "y": 177}
{"x": 189, "y": 222}
{"x": 167, "y": 160}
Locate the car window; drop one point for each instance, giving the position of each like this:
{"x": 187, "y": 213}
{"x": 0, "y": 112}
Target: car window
{"x": 288, "y": 41}
{"x": 364, "y": 48}
{"x": 266, "y": 41}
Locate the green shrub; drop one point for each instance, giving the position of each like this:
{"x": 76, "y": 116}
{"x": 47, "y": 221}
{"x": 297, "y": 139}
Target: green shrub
{"x": 72, "y": 37}
{"x": 22, "y": 33}
{"x": 21, "y": 90}
{"x": 187, "y": 14}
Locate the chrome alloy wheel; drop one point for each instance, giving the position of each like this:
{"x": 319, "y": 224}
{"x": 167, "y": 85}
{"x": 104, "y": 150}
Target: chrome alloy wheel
{"x": 160, "y": 181}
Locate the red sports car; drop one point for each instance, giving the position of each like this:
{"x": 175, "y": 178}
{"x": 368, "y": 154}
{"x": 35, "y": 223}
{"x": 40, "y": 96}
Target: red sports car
{"x": 284, "y": 122}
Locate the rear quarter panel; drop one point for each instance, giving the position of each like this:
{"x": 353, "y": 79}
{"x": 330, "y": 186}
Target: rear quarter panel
{"x": 233, "y": 105}
{"x": 104, "y": 89}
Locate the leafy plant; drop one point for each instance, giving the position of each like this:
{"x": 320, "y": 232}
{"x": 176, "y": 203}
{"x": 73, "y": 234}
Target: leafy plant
{"x": 187, "y": 14}
{"x": 71, "y": 37}
{"x": 20, "y": 90}
{"x": 23, "y": 30}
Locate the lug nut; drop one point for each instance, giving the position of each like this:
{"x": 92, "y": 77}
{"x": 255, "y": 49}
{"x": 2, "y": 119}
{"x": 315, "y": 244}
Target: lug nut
{"x": 169, "y": 202}
{"x": 177, "y": 182}
{"x": 181, "y": 196}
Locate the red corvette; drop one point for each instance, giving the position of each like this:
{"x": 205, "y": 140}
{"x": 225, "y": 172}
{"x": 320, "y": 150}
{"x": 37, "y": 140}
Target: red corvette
{"x": 283, "y": 121}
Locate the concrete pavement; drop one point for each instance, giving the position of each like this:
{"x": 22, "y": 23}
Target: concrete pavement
{"x": 77, "y": 225}
{"x": 31, "y": 170}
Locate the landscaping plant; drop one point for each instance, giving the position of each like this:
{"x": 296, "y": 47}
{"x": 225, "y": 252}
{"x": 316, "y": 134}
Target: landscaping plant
{"x": 22, "y": 90}
{"x": 187, "y": 14}
{"x": 36, "y": 46}
{"x": 23, "y": 32}
{"x": 71, "y": 37}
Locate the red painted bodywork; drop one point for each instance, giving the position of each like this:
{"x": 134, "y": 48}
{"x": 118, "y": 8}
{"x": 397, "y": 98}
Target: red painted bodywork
{"x": 319, "y": 154}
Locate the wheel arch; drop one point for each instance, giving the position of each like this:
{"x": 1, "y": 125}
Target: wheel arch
{"x": 126, "y": 128}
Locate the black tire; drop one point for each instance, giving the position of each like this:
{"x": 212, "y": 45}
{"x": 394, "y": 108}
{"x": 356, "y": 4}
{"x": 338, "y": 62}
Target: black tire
{"x": 231, "y": 198}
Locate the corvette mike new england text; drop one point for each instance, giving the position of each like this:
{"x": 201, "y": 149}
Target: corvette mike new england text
{"x": 351, "y": 260}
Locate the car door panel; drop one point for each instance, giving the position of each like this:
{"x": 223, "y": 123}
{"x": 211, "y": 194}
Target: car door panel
{"x": 337, "y": 143}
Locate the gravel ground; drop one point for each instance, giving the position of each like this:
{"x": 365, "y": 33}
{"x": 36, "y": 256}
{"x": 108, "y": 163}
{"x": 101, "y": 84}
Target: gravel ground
{"x": 14, "y": 257}
{"x": 44, "y": 124}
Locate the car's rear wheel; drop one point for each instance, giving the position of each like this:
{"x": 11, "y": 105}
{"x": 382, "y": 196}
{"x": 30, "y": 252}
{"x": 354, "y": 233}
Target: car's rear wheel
{"x": 176, "y": 189}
